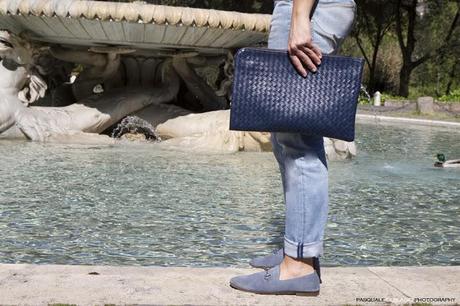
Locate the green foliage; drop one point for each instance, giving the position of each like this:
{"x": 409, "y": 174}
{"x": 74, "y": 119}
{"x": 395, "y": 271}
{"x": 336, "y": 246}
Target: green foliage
{"x": 375, "y": 28}
{"x": 453, "y": 96}
{"x": 422, "y": 91}
{"x": 427, "y": 41}
{"x": 388, "y": 96}
{"x": 363, "y": 100}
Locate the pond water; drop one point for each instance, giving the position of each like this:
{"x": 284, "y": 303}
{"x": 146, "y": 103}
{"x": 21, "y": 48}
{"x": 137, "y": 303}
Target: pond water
{"x": 138, "y": 205}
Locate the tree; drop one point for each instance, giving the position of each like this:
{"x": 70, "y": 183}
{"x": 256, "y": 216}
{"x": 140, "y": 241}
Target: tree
{"x": 375, "y": 19}
{"x": 410, "y": 21}
{"x": 452, "y": 75}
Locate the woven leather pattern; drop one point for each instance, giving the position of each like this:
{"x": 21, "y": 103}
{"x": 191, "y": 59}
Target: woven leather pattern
{"x": 270, "y": 95}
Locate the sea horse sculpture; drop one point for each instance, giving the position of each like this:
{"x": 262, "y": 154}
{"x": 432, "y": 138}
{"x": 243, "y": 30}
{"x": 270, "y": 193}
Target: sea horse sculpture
{"x": 21, "y": 85}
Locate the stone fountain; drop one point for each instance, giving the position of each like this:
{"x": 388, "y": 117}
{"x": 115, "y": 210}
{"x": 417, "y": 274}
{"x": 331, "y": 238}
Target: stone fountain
{"x": 72, "y": 70}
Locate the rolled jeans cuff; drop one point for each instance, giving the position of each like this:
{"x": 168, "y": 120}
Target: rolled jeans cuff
{"x": 302, "y": 250}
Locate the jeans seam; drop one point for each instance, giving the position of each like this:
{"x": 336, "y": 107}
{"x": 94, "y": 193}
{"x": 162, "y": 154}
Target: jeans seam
{"x": 303, "y": 204}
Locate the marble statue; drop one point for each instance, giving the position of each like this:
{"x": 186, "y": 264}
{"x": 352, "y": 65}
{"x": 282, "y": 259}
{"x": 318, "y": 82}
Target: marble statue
{"x": 209, "y": 132}
{"x": 21, "y": 85}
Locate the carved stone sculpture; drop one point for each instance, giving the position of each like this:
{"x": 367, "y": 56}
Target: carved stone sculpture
{"x": 114, "y": 84}
{"x": 209, "y": 132}
{"x": 93, "y": 114}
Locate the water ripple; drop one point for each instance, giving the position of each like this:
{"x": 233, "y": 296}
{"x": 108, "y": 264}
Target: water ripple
{"x": 137, "y": 205}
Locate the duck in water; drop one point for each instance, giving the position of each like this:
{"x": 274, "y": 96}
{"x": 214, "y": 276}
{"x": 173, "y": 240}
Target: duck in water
{"x": 443, "y": 163}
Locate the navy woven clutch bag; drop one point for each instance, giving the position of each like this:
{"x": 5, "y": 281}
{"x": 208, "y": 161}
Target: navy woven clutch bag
{"x": 269, "y": 94}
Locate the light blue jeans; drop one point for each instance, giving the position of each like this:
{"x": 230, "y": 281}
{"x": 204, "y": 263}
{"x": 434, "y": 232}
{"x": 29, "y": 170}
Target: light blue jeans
{"x": 301, "y": 158}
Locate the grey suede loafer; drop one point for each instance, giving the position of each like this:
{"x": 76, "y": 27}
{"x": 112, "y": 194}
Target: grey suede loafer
{"x": 268, "y": 282}
{"x": 269, "y": 261}
{"x": 275, "y": 259}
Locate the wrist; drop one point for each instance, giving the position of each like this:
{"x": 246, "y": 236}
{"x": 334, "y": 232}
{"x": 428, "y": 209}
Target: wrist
{"x": 302, "y": 9}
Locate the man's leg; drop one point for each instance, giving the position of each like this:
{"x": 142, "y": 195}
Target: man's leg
{"x": 331, "y": 23}
{"x": 305, "y": 181}
{"x": 303, "y": 166}
{"x": 301, "y": 157}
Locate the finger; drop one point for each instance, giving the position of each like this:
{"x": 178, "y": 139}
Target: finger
{"x": 317, "y": 50}
{"x": 33, "y": 86}
{"x": 42, "y": 92}
{"x": 306, "y": 61}
{"x": 298, "y": 65}
{"x": 313, "y": 56}
{"x": 292, "y": 50}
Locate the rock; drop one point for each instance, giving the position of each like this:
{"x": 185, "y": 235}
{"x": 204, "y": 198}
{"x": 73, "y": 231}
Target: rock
{"x": 342, "y": 149}
{"x": 257, "y": 142}
{"x": 403, "y": 104}
{"x": 134, "y": 126}
{"x": 219, "y": 142}
{"x": 205, "y": 132}
{"x": 425, "y": 105}
{"x": 134, "y": 137}
{"x": 209, "y": 132}
{"x": 339, "y": 149}
{"x": 454, "y": 108}
{"x": 80, "y": 138}
{"x": 157, "y": 114}
{"x": 195, "y": 124}
{"x": 330, "y": 149}
{"x": 13, "y": 133}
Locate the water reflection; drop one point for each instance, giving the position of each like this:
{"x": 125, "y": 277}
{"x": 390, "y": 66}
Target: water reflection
{"x": 136, "y": 205}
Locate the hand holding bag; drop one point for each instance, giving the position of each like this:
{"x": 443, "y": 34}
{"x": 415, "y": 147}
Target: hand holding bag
{"x": 269, "y": 95}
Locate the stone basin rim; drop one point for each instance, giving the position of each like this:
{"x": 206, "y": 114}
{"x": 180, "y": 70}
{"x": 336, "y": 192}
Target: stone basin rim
{"x": 138, "y": 13}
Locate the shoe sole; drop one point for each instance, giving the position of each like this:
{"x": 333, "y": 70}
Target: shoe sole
{"x": 310, "y": 293}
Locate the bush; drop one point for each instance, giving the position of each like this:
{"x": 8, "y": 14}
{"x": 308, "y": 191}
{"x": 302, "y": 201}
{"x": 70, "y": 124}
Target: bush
{"x": 386, "y": 97}
{"x": 454, "y": 96}
{"x": 363, "y": 100}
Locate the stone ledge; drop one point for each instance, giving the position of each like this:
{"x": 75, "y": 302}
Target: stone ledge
{"x": 391, "y": 119}
{"x": 48, "y": 284}
{"x": 409, "y": 105}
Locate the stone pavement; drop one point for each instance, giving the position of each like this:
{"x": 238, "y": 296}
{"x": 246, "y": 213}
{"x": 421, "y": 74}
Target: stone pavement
{"x": 99, "y": 285}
